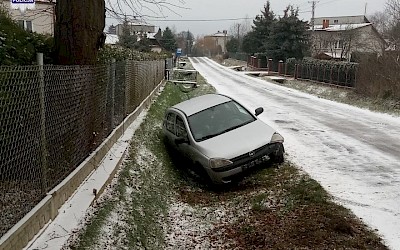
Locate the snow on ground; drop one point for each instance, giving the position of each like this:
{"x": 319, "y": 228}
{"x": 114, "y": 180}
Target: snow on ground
{"x": 191, "y": 226}
{"x": 188, "y": 230}
{"x": 72, "y": 214}
{"x": 353, "y": 153}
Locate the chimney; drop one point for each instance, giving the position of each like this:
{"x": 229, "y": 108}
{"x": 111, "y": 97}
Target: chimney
{"x": 325, "y": 24}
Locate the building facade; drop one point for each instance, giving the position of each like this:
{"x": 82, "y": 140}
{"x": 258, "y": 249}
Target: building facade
{"x": 339, "y": 37}
{"x": 136, "y": 27}
{"x": 40, "y": 19}
{"x": 218, "y": 40}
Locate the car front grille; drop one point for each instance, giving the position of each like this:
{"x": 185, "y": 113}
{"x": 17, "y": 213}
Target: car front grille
{"x": 251, "y": 158}
{"x": 257, "y": 153}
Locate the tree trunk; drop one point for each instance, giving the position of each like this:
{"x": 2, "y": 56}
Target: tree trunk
{"x": 78, "y": 31}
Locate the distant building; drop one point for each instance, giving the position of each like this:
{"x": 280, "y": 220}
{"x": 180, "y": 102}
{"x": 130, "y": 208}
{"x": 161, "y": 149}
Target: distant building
{"x": 154, "y": 37}
{"x": 41, "y": 19}
{"x": 339, "y": 37}
{"x": 136, "y": 27}
{"x": 112, "y": 30}
{"x": 219, "y": 39}
{"x": 111, "y": 39}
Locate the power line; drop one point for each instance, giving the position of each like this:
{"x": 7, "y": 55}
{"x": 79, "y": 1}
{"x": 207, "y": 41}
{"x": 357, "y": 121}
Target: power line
{"x": 200, "y": 20}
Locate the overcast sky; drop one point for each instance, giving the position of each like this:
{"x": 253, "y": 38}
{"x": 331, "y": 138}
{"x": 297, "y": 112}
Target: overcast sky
{"x": 207, "y": 10}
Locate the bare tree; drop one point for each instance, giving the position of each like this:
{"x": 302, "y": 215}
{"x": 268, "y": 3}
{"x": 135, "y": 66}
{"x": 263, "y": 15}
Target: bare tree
{"x": 381, "y": 21}
{"x": 239, "y": 30}
{"x": 393, "y": 9}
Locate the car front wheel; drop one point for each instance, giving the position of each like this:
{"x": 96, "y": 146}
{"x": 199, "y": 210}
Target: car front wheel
{"x": 278, "y": 155}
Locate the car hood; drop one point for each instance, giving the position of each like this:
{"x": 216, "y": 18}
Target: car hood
{"x": 238, "y": 141}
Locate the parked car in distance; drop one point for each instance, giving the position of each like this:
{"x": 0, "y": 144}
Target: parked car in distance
{"x": 220, "y": 136}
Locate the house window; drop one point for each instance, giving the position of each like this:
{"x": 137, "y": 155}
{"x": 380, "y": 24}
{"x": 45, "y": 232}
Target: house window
{"x": 335, "y": 21}
{"x": 26, "y": 25}
{"x": 341, "y": 44}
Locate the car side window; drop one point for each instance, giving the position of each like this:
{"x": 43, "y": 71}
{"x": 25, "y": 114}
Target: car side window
{"x": 180, "y": 127}
{"x": 170, "y": 122}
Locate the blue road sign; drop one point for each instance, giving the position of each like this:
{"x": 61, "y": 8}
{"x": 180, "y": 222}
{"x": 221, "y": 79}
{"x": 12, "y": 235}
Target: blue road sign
{"x": 178, "y": 52}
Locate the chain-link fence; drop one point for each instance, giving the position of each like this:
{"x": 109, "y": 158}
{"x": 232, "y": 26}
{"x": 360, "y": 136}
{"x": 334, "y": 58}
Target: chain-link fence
{"x": 53, "y": 117}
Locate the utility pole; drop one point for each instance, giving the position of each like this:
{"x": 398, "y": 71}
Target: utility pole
{"x": 313, "y": 4}
{"x": 365, "y": 10}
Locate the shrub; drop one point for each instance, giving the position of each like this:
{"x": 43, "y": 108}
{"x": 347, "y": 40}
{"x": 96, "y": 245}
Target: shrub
{"x": 18, "y": 46}
{"x": 121, "y": 54}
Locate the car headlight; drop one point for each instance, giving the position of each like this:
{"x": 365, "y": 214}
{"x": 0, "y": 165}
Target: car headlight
{"x": 277, "y": 138}
{"x": 219, "y": 162}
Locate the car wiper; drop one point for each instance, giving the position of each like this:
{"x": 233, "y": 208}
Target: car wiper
{"x": 209, "y": 136}
{"x": 222, "y": 132}
{"x": 232, "y": 128}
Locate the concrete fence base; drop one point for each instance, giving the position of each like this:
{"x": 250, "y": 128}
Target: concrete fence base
{"x": 32, "y": 223}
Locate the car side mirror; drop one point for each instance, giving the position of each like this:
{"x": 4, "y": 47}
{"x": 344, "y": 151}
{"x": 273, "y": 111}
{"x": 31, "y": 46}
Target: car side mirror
{"x": 259, "y": 111}
{"x": 181, "y": 140}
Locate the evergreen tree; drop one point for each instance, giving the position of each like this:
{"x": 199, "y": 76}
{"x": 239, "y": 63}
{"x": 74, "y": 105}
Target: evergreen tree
{"x": 289, "y": 37}
{"x": 232, "y": 45}
{"x": 127, "y": 39}
{"x": 143, "y": 45}
{"x": 168, "y": 40}
{"x": 250, "y": 43}
{"x": 255, "y": 41}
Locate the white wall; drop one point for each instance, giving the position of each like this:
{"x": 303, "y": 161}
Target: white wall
{"x": 42, "y": 17}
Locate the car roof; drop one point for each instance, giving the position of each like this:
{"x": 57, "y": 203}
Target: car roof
{"x": 200, "y": 103}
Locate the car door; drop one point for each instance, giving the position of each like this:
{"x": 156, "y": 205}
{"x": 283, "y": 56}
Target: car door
{"x": 169, "y": 127}
{"x": 182, "y": 132}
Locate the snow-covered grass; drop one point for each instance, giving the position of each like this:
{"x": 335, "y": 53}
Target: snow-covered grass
{"x": 156, "y": 203}
{"x": 348, "y": 96}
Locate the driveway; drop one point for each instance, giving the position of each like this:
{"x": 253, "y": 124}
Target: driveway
{"x": 353, "y": 153}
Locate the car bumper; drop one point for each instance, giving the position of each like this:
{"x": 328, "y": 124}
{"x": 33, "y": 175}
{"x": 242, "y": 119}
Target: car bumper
{"x": 244, "y": 162}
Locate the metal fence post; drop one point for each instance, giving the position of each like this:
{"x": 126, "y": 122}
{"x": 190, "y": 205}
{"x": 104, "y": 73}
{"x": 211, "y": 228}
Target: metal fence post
{"x": 39, "y": 59}
{"x": 113, "y": 73}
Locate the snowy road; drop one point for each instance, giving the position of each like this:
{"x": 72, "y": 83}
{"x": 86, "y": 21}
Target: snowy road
{"x": 353, "y": 153}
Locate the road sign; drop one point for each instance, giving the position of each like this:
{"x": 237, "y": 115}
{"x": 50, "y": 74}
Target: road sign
{"x": 178, "y": 52}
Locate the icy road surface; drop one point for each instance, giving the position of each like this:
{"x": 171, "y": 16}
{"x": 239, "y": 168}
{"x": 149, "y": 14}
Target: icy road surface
{"x": 353, "y": 153}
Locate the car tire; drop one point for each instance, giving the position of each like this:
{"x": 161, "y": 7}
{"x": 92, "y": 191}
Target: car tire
{"x": 199, "y": 169}
{"x": 278, "y": 156}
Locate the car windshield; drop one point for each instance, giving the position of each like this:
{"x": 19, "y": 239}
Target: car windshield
{"x": 218, "y": 120}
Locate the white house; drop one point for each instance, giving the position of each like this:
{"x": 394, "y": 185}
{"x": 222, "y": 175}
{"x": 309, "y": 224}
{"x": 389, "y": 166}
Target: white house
{"x": 339, "y": 37}
{"x": 40, "y": 19}
{"x": 220, "y": 39}
{"x": 136, "y": 27}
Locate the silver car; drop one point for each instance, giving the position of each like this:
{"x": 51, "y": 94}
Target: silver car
{"x": 220, "y": 136}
